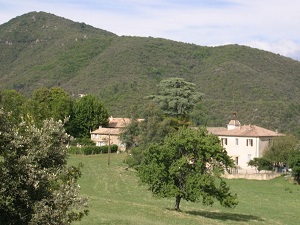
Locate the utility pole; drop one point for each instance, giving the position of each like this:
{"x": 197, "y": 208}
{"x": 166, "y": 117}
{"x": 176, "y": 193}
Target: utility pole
{"x": 108, "y": 160}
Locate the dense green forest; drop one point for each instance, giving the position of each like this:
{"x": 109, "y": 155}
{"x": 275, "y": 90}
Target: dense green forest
{"x": 43, "y": 50}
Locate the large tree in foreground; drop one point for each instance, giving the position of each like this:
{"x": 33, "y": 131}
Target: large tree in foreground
{"x": 37, "y": 186}
{"x": 188, "y": 165}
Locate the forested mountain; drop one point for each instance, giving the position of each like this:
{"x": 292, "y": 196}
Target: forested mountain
{"x": 39, "y": 49}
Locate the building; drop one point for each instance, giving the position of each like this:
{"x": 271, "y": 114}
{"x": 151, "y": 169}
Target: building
{"x": 111, "y": 133}
{"x": 243, "y": 142}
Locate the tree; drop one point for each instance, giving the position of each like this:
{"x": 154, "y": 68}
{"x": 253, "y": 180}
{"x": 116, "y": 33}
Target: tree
{"x": 176, "y": 97}
{"x": 294, "y": 164}
{"x": 88, "y": 113}
{"x": 280, "y": 149}
{"x": 14, "y": 103}
{"x": 188, "y": 165}
{"x": 153, "y": 129}
{"x": 36, "y": 185}
{"x": 261, "y": 164}
{"x": 155, "y": 126}
{"x": 61, "y": 103}
{"x": 130, "y": 133}
{"x": 50, "y": 103}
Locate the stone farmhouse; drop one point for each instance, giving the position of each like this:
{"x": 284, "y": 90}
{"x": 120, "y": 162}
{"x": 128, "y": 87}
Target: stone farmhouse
{"x": 111, "y": 133}
{"x": 244, "y": 142}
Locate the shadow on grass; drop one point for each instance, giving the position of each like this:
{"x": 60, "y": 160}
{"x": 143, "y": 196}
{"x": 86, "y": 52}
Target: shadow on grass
{"x": 224, "y": 216}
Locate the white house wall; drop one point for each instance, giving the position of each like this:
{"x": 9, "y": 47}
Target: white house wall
{"x": 241, "y": 153}
{"x": 263, "y": 144}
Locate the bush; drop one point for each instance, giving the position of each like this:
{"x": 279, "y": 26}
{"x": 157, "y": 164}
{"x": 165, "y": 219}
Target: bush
{"x": 113, "y": 148}
{"x": 261, "y": 163}
{"x": 83, "y": 142}
{"x": 91, "y": 150}
{"x": 135, "y": 157}
{"x": 75, "y": 150}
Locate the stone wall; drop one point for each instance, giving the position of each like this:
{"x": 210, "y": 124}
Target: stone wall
{"x": 253, "y": 176}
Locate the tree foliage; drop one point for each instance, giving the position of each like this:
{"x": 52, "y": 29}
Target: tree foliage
{"x": 36, "y": 185}
{"x": 88, "y": 113}
{"x": 188, "y": 165}
{"x": 176, "y": 97}
{"x": 294, "y": 163}
{"x": 130, "y": 133}
{"x": 14, "y": 103}
{"x": 156, "y": 125}
{"x": 280, "y": 149}
{"x": 153, "y": 129}
{"x": 261, "y": 164}
{"x": 49, "y": 103}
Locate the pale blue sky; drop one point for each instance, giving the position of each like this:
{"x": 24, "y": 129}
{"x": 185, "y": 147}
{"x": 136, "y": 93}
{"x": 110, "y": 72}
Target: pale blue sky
{"x": 272, "y": 25}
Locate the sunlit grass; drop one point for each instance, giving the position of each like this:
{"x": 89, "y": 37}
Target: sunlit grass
{"x": 116, "y": 197}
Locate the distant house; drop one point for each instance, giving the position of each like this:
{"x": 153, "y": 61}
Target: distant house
{"x": 243, "y": 142}
{"x": 111, "y": 133}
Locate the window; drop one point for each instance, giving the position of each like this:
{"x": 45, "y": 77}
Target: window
{"x": 236, "y": 161}
{"x": 236, "y": 141}
{"x": 249, "y": 142}
{"x": 224, "y": 141}
{"x": 100, "y": 143}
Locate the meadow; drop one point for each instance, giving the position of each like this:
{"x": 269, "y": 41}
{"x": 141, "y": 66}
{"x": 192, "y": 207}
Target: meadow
{"x": 117, "y": 198}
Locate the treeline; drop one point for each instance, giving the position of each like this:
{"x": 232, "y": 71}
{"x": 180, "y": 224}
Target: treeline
{"x": 79, "y": 115}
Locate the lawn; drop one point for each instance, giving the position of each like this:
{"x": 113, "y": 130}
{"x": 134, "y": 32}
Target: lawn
{"x": 116, "y": 198}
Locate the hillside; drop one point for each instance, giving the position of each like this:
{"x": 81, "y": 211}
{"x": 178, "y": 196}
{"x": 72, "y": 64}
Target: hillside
{"x": 40, "y": 49}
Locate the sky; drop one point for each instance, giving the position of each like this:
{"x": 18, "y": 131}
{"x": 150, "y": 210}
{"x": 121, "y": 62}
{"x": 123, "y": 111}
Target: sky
{"x": 271, "y": 25}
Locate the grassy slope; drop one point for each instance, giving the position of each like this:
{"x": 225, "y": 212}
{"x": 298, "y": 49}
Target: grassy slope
{"x": 46, "y": 50}
{"x": 115, "y": 197}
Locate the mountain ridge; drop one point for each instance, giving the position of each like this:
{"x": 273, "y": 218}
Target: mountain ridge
{"x": 41, "y": 49}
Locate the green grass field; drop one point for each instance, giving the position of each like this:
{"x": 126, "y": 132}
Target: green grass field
{"x": 116, "y": 198}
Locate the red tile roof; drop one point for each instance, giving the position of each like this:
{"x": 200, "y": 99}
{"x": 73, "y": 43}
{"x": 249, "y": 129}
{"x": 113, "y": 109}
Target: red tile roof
{"x": 114, "y": 127}
{"x": 118, "y": 122}
{"x": 107, "y": 131}
{"x": 244, "y": 131}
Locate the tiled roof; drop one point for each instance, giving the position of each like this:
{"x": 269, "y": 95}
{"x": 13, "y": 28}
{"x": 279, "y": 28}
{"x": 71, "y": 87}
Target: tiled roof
{"x": 103, "y": 130}
{"x": 115, "y": 126}
{"x": 244, "y": 131}
{"x": 118, "y": 122}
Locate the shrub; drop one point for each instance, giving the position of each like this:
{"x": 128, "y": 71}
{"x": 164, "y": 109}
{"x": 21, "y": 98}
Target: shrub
{"x": 90, "y": 150}
{"x": 261, "y": 163}
{"x": 75, "y": 150}
{"x": 113, "y": 148}
{"x": 135, "y": 157}
{"x": 83, "y": 142}
{"x": 104, "y": 149}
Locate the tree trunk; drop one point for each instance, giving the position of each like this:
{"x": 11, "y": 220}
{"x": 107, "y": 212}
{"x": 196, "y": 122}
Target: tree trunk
{"x": 177, "y": 203}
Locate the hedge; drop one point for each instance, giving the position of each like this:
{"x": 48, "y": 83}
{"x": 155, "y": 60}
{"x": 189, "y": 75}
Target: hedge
{"x": 91, "y": 150}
